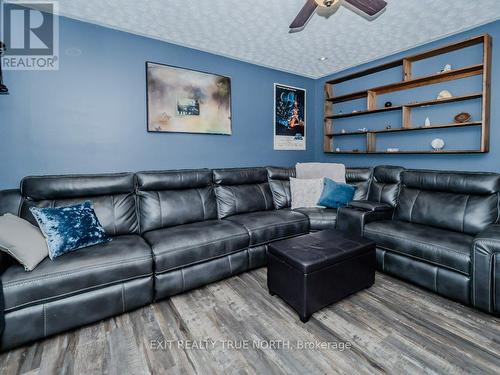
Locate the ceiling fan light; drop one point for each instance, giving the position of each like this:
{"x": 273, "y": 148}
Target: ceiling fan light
{"x": 327, "y": 3}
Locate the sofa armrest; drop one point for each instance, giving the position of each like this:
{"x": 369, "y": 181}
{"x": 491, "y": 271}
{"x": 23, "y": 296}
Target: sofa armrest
{"x": 486, "y": 270}
{"x": 353, "y": 220}
{"x": 370, "y": 206}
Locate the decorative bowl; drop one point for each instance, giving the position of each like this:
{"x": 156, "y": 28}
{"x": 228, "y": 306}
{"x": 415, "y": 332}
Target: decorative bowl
{"x": 463, "y": 117}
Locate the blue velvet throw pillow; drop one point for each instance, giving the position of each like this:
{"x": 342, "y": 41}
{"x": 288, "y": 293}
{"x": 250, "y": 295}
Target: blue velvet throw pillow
{"x": 336, "y": 194}
{"x": 69, "y": 228}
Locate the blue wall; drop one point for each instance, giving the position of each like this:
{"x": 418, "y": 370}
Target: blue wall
{"x": 90, "y": 116}
{"x": 461, "y": 138}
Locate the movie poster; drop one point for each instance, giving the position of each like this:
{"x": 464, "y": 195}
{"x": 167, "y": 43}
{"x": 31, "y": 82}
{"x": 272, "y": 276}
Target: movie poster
{"x": 289, "y": 118}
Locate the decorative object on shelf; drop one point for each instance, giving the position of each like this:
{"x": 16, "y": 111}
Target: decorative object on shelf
{"x": 388, "y": 104}
{"x": 388, "y": 127}
{"x": 340, "y": 112}
{"x": 446, "y": 68}
{"x": 343, "y": 131}
{"x": 362, "y": 130}
{"x": 337, "y": 149}
{"x": 355, "y": 111}
{"x": 3, "y": 88}
{"x": 462, "y": 117}
{"x": 289, "y": 118}
{"x": 393, "y": 149}
{"x": 187, "y": 101}
{"x": 427, "y": 122}
{"x": 355, "y": 150}
{"x": 444, "y": 94}
{"x": 437, "y": 144}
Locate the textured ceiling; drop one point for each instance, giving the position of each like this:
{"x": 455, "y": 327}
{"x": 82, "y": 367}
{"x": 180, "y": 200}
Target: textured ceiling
{"x": 256, "y": 31}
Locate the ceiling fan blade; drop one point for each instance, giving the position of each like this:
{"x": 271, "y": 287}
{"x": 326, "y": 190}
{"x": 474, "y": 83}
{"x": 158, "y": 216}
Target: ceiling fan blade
{"x": 304, "y": 15}
{"x": 370, "y": 7}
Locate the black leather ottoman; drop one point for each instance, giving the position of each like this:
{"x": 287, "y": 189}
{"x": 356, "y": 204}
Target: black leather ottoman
{"x": 315, "y": 270}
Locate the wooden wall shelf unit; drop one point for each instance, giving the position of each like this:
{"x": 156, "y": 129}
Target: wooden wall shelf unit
{"x": 410, "y": 82}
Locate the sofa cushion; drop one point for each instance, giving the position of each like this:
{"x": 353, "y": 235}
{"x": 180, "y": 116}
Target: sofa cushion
{"x": 306, "y": 192}
{"x": 320, "y": 218}
{"x": 170, "y": 198}
{"x": 266, "y": 226}
{"x": 242, "y": 190}
{"x": 125, "y": 258}
{"x": 335, "y": 194}
{"x": 112, "y": 196}
{"x": 459, "y": 201}
{"x": 437, "y": 246}
{"x": 69, "y": 228}
{"x": 22, "y": 241}
{"x": 189, "y": 244}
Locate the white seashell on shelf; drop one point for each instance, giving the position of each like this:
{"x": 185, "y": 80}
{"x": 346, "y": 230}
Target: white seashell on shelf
{"x": 444, "y": 94}
{"x": 437, "y": 144}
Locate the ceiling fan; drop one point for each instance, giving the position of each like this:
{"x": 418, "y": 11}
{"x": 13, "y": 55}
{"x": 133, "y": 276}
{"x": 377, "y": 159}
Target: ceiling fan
{"x": 371, "y": 8}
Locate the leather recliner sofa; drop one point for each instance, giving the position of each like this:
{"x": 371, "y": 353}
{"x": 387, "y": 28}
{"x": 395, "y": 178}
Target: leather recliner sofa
{"x": 171, "y": 231}
{"x": 442, "y": 233}
{"x": 177, "y": 230}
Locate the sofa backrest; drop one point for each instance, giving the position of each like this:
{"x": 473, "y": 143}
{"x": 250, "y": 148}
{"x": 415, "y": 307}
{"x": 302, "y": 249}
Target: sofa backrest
{"x": 385, "y": 184}
{"x": 359, "y": 177}
{"x": 112, "y": 196}
{"x": 169, "y": 198}
{"x": 460, "y": 201}
{"x": 279, "y": 181}
{"x": 10, "y": 201}
{"x": 242, "y": 190}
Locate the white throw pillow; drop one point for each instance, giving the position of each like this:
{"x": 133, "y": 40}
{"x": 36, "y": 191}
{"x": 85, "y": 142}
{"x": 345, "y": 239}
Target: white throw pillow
{"x": 23, "y": 241}
{"x": 305, "y": 192}
{"x": 334, "y": 171}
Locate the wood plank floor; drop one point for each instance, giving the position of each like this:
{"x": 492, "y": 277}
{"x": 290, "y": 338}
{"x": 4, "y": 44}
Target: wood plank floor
{"x": 393, "y": 328}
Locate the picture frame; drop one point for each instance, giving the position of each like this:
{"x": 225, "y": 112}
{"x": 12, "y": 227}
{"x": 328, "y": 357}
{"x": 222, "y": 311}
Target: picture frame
{"x": 290, "y": 125}
{"x": 180, "y": 100}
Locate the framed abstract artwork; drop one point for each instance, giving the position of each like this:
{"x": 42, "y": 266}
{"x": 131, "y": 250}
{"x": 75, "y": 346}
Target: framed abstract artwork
{"x": 187, "y": 101}
{"x": 289, "y": 118}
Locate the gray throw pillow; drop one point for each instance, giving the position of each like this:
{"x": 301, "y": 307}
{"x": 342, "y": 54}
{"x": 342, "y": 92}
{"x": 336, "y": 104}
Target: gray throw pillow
{"x": 23, "y": 241}
{"x": 305, "y": 192}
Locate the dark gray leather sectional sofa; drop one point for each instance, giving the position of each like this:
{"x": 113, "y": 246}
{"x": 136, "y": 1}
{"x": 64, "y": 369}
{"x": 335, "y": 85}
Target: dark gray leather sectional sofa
{"x": 177, "y": 230}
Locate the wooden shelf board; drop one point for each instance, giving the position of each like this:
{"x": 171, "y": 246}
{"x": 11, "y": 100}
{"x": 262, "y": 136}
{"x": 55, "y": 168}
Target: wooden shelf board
{"x": 413, "y": 83}
{"x": 448, "y": 48}
{"x": 395, "y": 130}
{"x": 412, "y": 105}
{"x": 366, "y": 72}
{"x": 442, "y": 126}
{"x": 446, "y": 100}
{"x": 347, "y": 97}
{"x": 348, "y": 133}
{"x": 359, "y": 113}
{"x": 430, "y": 79}
{"x": 409, "y": 152}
